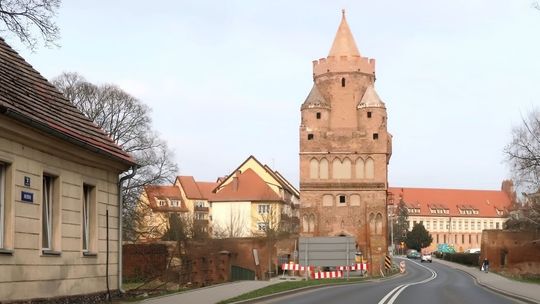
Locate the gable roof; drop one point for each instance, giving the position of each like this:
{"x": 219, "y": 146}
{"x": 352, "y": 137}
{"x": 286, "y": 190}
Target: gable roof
{"x": 155, "y": 192}
{"x": 246, "y": 186}
{"x": 279, "y": 179}
{"x": 486, "y": 202}
{"x": 194, "y": 189}
{"x": 28, "y": 97}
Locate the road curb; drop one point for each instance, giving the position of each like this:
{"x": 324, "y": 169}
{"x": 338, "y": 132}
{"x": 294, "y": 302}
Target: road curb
{"x": 500, "y": 291}
{"x": 298, "y": 290}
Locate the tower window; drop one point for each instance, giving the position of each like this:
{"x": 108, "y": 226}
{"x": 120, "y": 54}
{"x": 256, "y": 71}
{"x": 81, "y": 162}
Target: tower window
{"x": 309, "y": 136}
{"x": 368, "y": 114}
{"x": 343, "y": 82}
{"x": 318, "y": 115}
{"x": 342, "y": 199}
{"x": 375, "y": 136}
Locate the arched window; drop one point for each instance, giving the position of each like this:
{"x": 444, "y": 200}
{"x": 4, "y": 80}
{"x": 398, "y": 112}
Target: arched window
{"x": 313, "y": 168}
{"x": 371, "y": 223}
{"x": 370, "y": 168}
{"x": 360, "y": 168}
{"x": 355, "y": 200}
{"x": 343, "y": 82}
{"x": 323, "y": 169}
{"x": 328, "y": 200}
{"x": 305, "y": 223}
{"x": 312, "y": 223}
{"x": 346, "y": 168}
{"x": 378, "y": 224}
{"x": 341, "y": 169}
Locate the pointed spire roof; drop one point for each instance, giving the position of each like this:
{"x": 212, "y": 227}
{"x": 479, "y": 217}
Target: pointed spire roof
{"x": 315, "y": 99}
{"x": 344, "y": 44}
{"x": 371, "y": 99}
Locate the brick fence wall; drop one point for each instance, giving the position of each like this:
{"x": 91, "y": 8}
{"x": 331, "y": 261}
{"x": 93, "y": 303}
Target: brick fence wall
{"x": 513, "y": 252}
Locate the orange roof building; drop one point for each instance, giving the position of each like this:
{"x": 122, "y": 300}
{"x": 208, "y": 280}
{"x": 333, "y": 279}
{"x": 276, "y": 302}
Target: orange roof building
{"x": 241, "y": 204}
{"x": 455, "y": 216}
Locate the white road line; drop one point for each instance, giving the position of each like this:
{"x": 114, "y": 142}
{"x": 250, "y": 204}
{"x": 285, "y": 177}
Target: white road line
{"x": 397, "y": 291}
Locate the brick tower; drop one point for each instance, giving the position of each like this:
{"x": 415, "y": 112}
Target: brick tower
{"x": 344, "y": 151}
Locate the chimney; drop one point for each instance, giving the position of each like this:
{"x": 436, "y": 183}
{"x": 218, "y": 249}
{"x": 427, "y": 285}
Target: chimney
{"x": 235, "y": 180}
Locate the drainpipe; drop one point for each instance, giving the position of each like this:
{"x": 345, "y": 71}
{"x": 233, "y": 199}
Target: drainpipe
{"x": 120, "y": 210}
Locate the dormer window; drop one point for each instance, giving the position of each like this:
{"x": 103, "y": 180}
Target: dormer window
{"x": 174, "y": 203}
{"x": 343, "y": 82}
{"x": 162, "y": 202}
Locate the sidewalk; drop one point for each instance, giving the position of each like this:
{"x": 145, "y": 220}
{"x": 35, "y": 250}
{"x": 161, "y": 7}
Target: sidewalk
{"x": 524, "y": 291}
{"x": 211, "y": 294}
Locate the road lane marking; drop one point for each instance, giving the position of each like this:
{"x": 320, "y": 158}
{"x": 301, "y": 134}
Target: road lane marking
{"x": 397, "y": 291}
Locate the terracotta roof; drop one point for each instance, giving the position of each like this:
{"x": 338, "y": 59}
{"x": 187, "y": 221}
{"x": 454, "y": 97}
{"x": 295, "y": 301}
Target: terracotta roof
{"x": 155, "y": 192}
{"x": 247, "y": 186}
{"x": 344, "y": 44}
{"x": 194, "y": 189}
{"x": 486, "y": 202}
{"x": 27, "y": 96}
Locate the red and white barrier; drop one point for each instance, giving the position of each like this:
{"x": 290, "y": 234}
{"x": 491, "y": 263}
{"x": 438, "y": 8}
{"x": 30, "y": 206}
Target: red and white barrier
{"x": 359, "y": 266}
{"x": 295, "y": 267}
{"x": 327, "y": 275}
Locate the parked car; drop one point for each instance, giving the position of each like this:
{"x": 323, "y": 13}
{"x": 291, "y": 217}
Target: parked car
{"x": 426, "y": 257}
{"x": 413, "y": 254}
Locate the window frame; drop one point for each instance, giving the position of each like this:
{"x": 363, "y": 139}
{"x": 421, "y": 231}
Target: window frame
{"x": 263, "y": 209}
{"x": 47, "y": 214}
{"x": 2, "y": 203}
{"x": 89, "y": 198}
{"x": 54, "y": 220}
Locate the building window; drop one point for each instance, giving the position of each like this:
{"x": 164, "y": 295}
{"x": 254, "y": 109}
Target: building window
{"x": 262, "y": 226}
{"x": 162, "y": 202}
{"x": 497, "y": 225}
{"x": 89, "y": 216}
{"x": 310, "y": 136}
{"x": 174, "y": 203}
{"x": 264, "y": 209}
{"x": 462, "y": 239}
{"x": 368, "y": 114}
{"x": 375, "y": 136}
{"x": 200, "y": 204}
{"x": 50, "y": 213}
{"x": 342, "y": 82}
{"x": 2, "y": 203}
{"x": 342, "y": 199}
{"x": 318, "y": 115}
{"x": 470, "y": 237}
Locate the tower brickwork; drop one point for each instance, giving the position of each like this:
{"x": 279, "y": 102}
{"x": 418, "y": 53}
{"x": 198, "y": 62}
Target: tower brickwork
{"x": 344, "y": 151}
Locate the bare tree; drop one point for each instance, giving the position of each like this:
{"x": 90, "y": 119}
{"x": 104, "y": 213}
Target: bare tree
{"x": 523, "y": 155}
{"x": 20, "y": 17}
{"x": 234, "y": 226}
{"x": 523, "y": 152}
{"x": 127, "y": 121}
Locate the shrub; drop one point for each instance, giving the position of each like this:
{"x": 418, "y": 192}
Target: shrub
{"x": 471, "y": 259}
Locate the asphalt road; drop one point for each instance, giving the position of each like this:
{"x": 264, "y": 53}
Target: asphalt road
{"x": 423, "y": 283}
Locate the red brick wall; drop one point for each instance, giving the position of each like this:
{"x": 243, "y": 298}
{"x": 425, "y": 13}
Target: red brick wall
{"x": 514, "y": 252}
{"x": 143, "y": 260}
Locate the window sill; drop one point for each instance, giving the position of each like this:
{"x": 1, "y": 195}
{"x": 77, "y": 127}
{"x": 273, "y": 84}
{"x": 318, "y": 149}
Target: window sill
{"x": 47, "y": 252}
{"x": 6, "y": 251}
{"x": 89, "y": 254}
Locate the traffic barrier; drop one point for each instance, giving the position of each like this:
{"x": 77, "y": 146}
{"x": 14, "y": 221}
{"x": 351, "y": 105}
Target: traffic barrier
{"x": 327, "y": 275}
{"x": 402, "y": 267}
{"x": 295, "y": 267}
{"x": 354, "y": 267}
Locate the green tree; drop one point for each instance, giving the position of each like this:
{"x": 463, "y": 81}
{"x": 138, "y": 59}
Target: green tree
{"x": 400, "y": 221}
{"x": 418, "y": 237}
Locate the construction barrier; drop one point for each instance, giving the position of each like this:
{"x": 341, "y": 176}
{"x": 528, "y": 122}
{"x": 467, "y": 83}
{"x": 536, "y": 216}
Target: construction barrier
{"x": 327, "y": 275}
{"x": 357, "y": 266}
{"x": 295, "y": 267}
{"x": 402, "y": 267}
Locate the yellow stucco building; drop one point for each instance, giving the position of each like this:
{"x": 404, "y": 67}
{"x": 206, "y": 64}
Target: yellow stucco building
{"x": 59, "y": 191}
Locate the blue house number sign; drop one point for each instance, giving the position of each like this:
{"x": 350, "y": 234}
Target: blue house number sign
{"x": 27, "y": 197}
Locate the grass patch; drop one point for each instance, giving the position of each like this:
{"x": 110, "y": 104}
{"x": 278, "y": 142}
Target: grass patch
{"x": 288, "y": 285}
{"x": 526, "y": 279}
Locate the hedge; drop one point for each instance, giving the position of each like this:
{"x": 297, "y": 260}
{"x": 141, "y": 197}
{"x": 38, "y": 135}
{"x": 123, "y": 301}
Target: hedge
{"x": 471, "y": 259}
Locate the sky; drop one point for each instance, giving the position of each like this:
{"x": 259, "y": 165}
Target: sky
{"x": 225, "y": 79}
